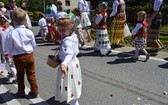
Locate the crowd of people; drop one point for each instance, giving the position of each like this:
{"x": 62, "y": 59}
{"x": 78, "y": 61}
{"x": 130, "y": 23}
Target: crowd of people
{"x": 65, "y": 27}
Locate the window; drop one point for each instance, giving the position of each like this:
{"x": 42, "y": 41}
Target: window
{"x": 67, "y": 2}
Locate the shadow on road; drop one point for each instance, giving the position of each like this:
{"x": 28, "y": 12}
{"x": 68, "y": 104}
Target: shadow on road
{"x": 124, "y": 57}
{"x": 2, "y": 102}
{"x": 94, "y": 54}
{"x": 51, "y": 101}
{"x": 165, "y": 66}
{"x": 121, "y": 60}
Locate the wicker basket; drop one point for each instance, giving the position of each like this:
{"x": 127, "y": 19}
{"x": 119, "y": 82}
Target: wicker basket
{"x": 52, "y": 61}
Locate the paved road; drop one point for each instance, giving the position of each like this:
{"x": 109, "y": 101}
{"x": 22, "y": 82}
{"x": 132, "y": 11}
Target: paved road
{"x": 112, "y": 80}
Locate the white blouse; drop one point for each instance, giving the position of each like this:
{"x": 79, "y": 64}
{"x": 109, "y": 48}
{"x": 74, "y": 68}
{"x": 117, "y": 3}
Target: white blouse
{"x": 61, "y": 14}
{"x": 98, "y": 19}
{"x": 3, "y": 35}
{"x": 115, "y": 7}
{"x": 83, "y": 6}
{"x": 69, "y": 49}
{"x": 137, "y": 27}
{"x": 157, "y": 4}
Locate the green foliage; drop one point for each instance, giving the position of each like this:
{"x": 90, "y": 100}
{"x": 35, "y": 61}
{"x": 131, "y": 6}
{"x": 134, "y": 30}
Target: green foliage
{"x": 35, "y": 5}
{"x": 35, "y": 15}
{"x": 6, "y": 2}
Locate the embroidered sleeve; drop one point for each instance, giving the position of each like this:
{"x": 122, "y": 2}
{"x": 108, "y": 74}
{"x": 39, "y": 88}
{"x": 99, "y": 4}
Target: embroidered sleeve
{"x": 115, "y": 7}
{"x": 157, "y": 5}
{"x": 98, "y": 19}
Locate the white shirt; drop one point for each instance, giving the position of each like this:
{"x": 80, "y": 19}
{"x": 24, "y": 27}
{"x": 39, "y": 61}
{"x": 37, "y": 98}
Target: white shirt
{"x": 42, "y": 23}
{"x": 137, "y": 27}
{"x": 3, "y": 35}
{"x": 20, "y": 41}
{"x": 83, "y": 6}
{"x": 61, "y": 14}
{"x": 115, "y": 7}
{"x": 53, "y": 14}
{"x": 157, "y": 4}
{"x": 69, "y": 49}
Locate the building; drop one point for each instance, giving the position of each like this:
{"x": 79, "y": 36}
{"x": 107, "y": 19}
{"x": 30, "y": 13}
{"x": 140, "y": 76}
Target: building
{"x": 69, "y": 4}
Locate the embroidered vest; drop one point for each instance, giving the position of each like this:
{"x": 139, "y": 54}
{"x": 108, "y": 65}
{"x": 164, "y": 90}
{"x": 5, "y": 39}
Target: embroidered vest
{"x": 102, "y": 23}
{"x": 142, "y": 32}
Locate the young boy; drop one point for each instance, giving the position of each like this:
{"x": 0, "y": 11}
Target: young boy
{"x": 43, "y": 27}
{"x": 20, "y": 45}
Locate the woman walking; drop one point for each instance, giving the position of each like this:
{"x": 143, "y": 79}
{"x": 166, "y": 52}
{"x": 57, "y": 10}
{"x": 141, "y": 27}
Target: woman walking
{"x": 118, "y": 17}
{"x": 153, "y": 41}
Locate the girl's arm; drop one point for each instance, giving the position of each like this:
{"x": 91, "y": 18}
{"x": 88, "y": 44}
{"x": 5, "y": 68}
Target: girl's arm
{"x": 115, "y": 8}
{"x": 156, "y": 8}
{"x": 137, "y": 27}
{"x": 68, "y": 53}
{"x": 98, "y": 19}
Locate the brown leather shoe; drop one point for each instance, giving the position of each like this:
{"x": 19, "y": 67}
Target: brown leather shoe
{"x": 33, "y": 95}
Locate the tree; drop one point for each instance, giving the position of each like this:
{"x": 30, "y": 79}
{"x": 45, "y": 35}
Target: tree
{"x": 35, "y": 5}
{"x": 6, "y": 2}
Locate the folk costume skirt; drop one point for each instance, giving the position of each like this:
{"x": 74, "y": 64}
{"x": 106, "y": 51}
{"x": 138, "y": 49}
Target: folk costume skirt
{"x": 85, "y": 20}
{"x": 70, "y": 87}
{"x": 117, "y": 31}
{"x": 102, "y": 40}
{"x": 153, "y": 39}
{"x": 139, "y": 42}
{"x": 154, "y": 33}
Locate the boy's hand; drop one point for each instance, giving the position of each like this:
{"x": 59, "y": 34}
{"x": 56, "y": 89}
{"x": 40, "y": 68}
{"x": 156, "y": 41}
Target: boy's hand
{"x": 64, "y": 70}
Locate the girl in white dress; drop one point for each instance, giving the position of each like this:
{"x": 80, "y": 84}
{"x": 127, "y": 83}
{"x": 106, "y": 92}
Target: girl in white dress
{"x": 69, "y": 80}
{"x": 85, "y": 10}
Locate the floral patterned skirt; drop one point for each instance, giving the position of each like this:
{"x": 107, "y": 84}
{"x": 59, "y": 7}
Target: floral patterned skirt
{"x": 139, "y": 42}
{"x": 102, "y": 40}
{"x": 69, "y": 87}
{"x": 117, "y": 29}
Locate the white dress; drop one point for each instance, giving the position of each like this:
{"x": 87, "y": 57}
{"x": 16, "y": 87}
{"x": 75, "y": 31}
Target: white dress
{"x": 84, "y": 8}
{"x": 70, "y": 87}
